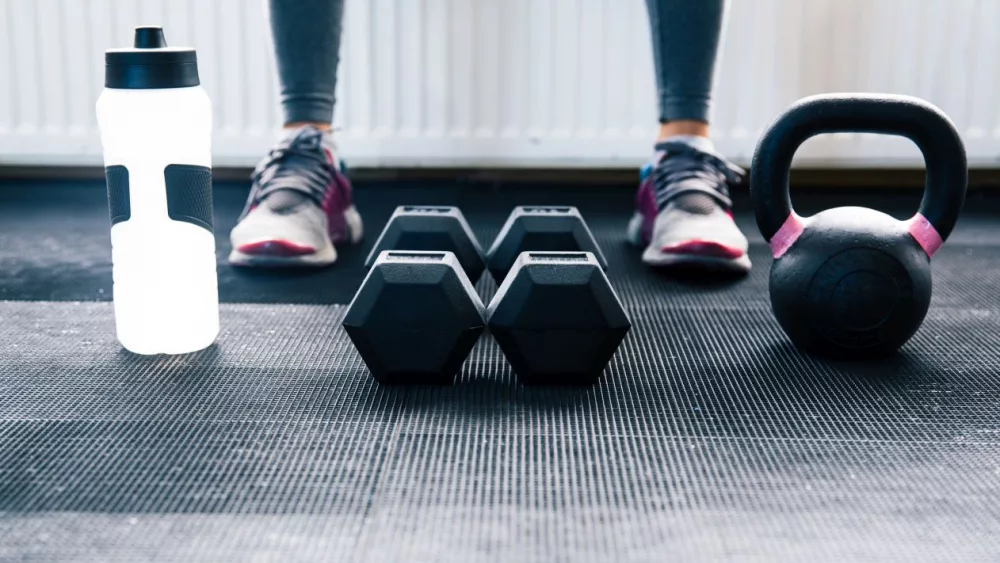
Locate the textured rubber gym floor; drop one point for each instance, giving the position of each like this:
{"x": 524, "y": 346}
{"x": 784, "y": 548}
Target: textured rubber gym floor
{"x": 709, "y": 437}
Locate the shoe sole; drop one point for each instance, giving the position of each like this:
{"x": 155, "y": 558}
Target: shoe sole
{"x": 658, "y": 259}
{"x": 277, "y": 253}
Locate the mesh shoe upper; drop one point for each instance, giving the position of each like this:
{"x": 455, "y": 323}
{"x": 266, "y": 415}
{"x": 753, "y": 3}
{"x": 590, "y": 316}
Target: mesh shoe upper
{"x": 301, "y": 172}
{"x": 301, "y": 167}
{"x": 692, "y": 179}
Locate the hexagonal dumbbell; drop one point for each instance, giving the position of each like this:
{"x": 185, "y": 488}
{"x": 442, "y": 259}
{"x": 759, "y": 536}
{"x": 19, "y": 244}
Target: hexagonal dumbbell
{"x": 557, "y": 318}
{"x": 415, "y": 318}
{"x": 431, "y": 227}
{"x": 540, "y": 228}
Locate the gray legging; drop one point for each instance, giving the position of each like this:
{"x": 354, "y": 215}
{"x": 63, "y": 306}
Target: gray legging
{"x": 685, "y": 46}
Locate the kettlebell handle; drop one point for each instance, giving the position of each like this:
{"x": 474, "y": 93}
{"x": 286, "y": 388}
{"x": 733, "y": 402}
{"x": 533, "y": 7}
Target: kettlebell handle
{"x": 921, "y": 122}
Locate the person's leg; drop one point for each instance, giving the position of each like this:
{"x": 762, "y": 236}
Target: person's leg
{"x": 306, "y": 35}
{"x": 683, "y": 215}
{"x": 300, "y": 202}
{"x": 686, "y": 36}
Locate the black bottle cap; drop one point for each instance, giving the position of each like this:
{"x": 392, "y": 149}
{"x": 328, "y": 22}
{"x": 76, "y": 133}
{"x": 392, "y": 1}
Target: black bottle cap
{"x": 149, "y": 38}
{"x": 150, "y": 64}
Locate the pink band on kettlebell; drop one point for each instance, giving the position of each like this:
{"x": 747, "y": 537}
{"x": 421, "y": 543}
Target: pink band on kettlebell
{"x": 925, "y": 234}
{"x": 786, "y": 235}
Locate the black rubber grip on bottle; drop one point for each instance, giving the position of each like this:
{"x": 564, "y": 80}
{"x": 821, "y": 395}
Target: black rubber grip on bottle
{"x": 189, "y": 194}
{"x": 118, "y": 195}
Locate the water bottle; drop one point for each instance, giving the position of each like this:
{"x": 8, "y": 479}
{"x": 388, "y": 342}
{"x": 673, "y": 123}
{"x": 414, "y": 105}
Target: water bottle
{"x": 156, "y": 131}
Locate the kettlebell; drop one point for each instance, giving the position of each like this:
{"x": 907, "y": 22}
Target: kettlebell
{"x": 852, "y": 282}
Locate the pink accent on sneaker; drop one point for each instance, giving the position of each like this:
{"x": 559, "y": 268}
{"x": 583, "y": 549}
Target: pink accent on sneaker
{"x": 646, "y": 204}
{"x": 703, "y": 248}
{"x": 925, "y": 234}
{"x": 333, "y": 205}
{"x": 786, "y": 236}
{"x": 282, "y": 248}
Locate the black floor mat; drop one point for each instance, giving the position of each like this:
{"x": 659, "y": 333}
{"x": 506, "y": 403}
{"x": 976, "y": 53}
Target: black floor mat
{"x": 708, "y": 438}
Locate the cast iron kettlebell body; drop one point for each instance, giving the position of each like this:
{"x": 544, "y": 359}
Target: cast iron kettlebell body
{"x": 853, "y": 282}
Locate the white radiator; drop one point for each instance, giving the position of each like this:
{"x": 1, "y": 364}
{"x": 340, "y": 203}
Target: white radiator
{"x": 509, "y": 83}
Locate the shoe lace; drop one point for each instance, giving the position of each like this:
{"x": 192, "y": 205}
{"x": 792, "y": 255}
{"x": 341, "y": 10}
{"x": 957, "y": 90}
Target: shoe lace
{"x": 683, "y": 169}
{"x": 298, "y": 164}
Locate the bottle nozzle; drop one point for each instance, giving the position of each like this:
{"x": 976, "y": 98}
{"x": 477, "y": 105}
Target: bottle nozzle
{"x": 149, "y": 38}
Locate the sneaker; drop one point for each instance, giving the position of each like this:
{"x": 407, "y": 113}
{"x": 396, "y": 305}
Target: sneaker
{"x": 683, "y": 212}
{"x": 300, "y": 206}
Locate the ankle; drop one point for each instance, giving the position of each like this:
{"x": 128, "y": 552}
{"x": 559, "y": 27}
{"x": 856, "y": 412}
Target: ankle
{"x": 326, "y": 127}
{"x": 697, "y": 142}
{"x": 687, "y": 128}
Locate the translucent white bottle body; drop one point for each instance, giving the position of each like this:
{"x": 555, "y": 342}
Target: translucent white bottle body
{"x": 166, "y": 296}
